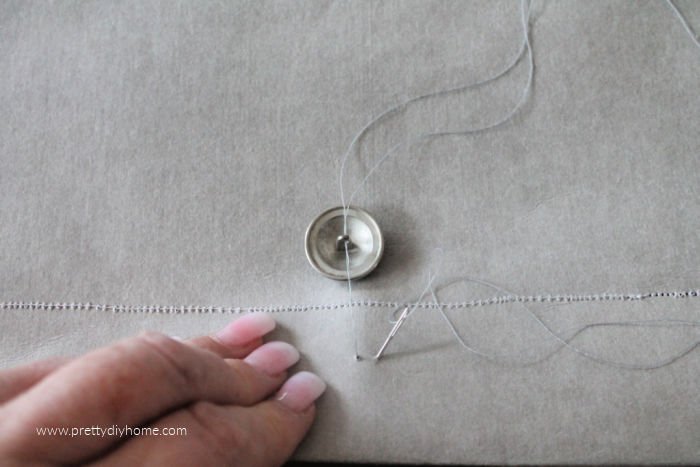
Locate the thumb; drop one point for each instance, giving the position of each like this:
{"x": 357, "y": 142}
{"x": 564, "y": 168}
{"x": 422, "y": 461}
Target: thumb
{"x": 280, "y": 424}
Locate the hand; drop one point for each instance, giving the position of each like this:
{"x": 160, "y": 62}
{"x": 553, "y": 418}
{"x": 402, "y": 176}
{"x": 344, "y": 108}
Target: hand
{"x": 218, "y": 388}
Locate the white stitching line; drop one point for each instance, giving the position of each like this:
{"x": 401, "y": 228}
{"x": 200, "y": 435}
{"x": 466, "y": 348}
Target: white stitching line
{"x": 193, "y": 309}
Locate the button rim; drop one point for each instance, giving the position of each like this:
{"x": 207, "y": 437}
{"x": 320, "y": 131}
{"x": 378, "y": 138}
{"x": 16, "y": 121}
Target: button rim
{"x": 373, "y": 227}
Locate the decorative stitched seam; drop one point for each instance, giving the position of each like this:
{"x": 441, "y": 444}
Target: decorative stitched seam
{"x": 498, "y": 300}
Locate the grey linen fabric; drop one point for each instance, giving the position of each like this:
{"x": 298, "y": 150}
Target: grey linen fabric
{"x": 173, "y": 153}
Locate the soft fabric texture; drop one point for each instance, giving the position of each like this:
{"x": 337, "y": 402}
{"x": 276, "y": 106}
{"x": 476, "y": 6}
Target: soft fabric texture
{"x": 173, "y": 153}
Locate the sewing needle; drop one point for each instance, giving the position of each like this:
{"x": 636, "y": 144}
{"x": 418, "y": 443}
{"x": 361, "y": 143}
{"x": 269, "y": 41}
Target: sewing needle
{"x": 394, "y": 330}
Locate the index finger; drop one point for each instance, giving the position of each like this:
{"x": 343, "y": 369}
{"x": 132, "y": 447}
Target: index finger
{"x": 126, "y": 384}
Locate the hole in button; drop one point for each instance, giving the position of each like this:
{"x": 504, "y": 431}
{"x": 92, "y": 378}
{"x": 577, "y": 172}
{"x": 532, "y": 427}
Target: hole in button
{"x": 341, "y": 241}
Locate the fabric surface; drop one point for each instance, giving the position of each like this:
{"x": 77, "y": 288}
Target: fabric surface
{"x": 174, "y": 152}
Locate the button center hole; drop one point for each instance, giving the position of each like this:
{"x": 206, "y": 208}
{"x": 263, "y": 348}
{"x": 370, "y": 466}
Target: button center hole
{"x": 343, "y": 240}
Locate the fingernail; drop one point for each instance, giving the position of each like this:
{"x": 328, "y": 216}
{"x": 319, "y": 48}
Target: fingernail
{"x": 246, "y": 329}
{"x": 273, "y": 358}
{"x": 301, "y": 390}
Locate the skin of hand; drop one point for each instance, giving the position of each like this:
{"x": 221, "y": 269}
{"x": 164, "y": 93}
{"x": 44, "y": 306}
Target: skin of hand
{"x": 230, "y": 391}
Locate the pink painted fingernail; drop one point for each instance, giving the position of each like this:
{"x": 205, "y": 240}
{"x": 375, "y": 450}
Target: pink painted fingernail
{"x": 273, "y": 358}
{"x": 301, "y": 390}
{"x": 246, "y": 329}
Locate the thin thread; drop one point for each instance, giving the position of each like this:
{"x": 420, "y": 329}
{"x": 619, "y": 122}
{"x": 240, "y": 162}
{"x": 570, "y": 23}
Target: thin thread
{"x": 413, "y": 100}
{"x": 367, "y": 303}
{"x": 684, "y": 22}
{"x": 470, "y": 131}
{"x": 525, "y": 19}
{"x": 350, "y": 304}
{"x": 566, "y": 342}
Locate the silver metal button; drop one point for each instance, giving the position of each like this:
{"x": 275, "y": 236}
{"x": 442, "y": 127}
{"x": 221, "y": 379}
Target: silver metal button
{"x": 325, "y": 243}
